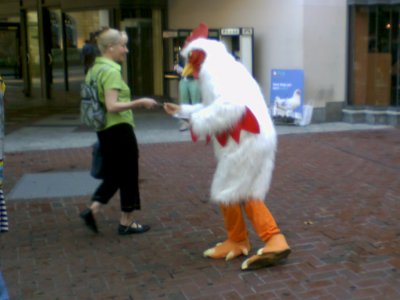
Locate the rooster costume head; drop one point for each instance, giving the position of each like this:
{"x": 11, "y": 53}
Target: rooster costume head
{"x": 218, "y": 72}
{"x": 196, "y": 57}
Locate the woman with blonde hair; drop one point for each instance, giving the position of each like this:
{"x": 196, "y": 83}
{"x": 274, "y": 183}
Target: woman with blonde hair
{"x": 117, "y": 140}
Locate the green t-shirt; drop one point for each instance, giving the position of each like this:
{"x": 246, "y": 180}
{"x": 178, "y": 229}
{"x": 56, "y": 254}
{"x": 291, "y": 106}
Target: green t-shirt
{"x": 110, "y": 78}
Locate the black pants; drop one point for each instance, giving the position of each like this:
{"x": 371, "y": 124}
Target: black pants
{"x": 120, "y": 153}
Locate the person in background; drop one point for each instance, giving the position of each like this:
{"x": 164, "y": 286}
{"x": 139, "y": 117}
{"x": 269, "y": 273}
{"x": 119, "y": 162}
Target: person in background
{"x": 189, "y": 90}
{"x": 89, "y": 52}
{"x": 117, "y": 139}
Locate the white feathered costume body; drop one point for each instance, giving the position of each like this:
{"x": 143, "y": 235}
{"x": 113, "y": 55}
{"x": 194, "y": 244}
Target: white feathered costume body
{"x": 229, "y": 94}
{"x": 234, "y": 116}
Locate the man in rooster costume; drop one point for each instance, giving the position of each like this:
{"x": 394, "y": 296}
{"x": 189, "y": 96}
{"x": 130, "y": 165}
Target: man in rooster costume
{"x": 234, "y": 116}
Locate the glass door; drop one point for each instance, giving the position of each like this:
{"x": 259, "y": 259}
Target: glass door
{"x": 79, "y": 27}
{"x": 55, "y": 50}
{"x": 33, "y": 55}
{"x": 9, "y": 50}
{"x": 53, "y": 54}
{"x": 140, "y": 58}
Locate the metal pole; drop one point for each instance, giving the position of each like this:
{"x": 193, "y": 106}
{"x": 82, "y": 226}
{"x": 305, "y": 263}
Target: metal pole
{"x": 3, "y": 208}
{"x": 65, "y": 51}
{"x": 44, "y": 54}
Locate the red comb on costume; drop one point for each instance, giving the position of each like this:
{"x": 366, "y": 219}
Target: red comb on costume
{"x": 200, "y": 32}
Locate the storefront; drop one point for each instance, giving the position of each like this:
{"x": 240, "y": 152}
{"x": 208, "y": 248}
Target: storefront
{"x": 374, "y": 62}
{"x": 48, "y": 37}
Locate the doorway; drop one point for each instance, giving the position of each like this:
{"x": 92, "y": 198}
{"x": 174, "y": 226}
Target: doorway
{"x": 140, "y": 59}
{"x": 51, "y": 61}
{"x": 10, "y": 57}
{"x": 54, "y": 52}
{"x": 79, "y": 26}
{"x": 33, "y": 53}
{"x": 374, "y": 61}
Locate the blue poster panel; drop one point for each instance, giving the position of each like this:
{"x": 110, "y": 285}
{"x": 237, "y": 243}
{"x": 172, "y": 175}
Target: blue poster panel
{"x": 286, "y": 99}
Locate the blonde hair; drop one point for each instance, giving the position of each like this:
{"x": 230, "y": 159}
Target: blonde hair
{"x": 109, "y": 37}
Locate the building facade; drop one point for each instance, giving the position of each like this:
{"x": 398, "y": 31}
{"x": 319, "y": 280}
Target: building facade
{"x": 348, "y": 49}
{"x": 42, "y": 40}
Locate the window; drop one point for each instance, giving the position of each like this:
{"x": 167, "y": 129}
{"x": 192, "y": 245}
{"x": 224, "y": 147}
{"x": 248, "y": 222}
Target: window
{"x": 374, "y": 55}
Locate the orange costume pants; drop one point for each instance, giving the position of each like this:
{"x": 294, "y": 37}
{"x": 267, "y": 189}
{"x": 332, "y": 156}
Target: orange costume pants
{"x": 259, "y": 215}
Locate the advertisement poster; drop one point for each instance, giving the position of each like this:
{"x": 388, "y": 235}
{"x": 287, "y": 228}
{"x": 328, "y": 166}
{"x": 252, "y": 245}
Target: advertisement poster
{"x": 286, "y": 100}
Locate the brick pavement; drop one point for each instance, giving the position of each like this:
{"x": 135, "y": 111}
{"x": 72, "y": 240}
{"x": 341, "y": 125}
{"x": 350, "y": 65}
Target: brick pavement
{"x": 335, "y": 195}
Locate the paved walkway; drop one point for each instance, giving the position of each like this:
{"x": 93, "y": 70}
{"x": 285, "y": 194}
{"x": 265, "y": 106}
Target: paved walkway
{"x": 336, "y": 195}
{"x": 62, "y": 129}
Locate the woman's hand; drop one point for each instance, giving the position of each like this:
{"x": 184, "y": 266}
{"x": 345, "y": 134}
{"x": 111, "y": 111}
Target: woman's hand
{"x": 171, "y": 108}
{"x": 148, "y": 102}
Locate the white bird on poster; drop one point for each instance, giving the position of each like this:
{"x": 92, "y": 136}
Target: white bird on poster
{"x": 288, "y": 105}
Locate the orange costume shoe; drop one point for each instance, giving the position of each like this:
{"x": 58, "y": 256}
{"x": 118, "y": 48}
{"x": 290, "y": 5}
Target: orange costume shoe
{"x": 228, "y": 250}
{"x": 276, "y": 248}
{"x": 275, "y": 251}
{"x": 237, "y": 242}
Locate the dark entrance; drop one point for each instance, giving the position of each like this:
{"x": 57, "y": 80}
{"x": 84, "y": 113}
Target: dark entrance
{"x": 10, "y": 57}
{"x": 140, "y": 58}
